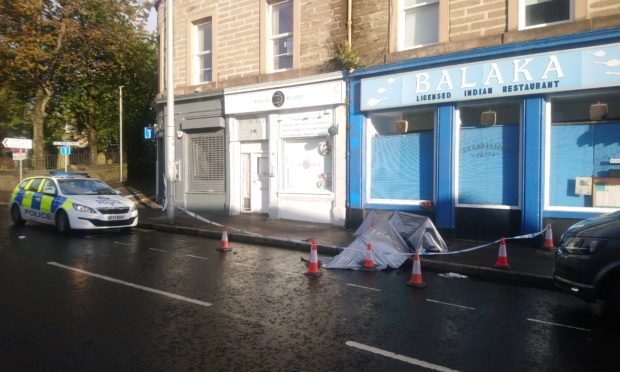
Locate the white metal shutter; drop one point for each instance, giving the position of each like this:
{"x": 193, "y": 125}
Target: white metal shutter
{"x": 206, "y": 163}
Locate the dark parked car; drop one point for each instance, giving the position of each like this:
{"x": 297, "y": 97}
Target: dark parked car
{"x": 588, "y": 261}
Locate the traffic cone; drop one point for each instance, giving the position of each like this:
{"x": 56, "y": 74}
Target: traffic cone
{"x": 416, "y": 273}
{"x": 549, "y": 237}
{"x": 224, "y": 242}
{"x": 502, "y": 257}
{"x": 313, "y": 267}
{"x": 369, "y": 263}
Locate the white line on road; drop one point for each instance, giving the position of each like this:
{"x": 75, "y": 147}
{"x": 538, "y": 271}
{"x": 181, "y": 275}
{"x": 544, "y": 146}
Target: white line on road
{"x": 159, "y": 250}
{"x": 198, "y": 257}
{"x": 132, "y": 285}
{"x": 361, "y": 286}
{"x": 402, "y": 358}
{"x": 121, "y": 243}
{"x": 559, "y": 325}
{"x": 449, "y": 304}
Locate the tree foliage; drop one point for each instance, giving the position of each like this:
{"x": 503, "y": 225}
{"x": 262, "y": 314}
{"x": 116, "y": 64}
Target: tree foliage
{"x": 67, "y": 58}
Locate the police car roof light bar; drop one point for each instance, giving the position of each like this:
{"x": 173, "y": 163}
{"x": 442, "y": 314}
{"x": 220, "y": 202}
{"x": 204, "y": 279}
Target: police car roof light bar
{"x": 62, "y": 173}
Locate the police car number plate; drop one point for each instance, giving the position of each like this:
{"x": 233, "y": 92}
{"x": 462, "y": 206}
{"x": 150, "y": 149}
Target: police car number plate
{"x": 115, "y": 217}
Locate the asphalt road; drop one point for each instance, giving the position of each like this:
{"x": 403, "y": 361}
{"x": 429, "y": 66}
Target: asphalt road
{"x": 164, "y": 302}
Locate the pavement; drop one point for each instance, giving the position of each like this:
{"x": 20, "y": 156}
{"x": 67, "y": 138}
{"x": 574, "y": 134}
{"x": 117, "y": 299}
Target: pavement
{"x": 530, "y": 263}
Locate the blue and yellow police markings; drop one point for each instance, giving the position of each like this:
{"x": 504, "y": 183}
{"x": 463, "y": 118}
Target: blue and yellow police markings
{"x": 37, "y": 205}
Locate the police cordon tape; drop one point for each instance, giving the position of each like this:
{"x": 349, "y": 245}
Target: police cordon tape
{"x": 290, "y": 240}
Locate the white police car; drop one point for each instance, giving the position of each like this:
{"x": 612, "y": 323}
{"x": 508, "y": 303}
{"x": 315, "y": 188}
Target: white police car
{"x": 71, "y": 201}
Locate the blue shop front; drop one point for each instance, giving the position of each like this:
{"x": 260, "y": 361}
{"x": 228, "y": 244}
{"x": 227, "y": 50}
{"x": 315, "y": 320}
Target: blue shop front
{"x": 495, "y": 141}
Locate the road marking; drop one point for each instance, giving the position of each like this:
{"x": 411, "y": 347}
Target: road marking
{"x": 132, "y": 285}
{"x": 559, "y": 325}
{"x": 402, "y": 358}
{"x": 449, "y": 304}
{"x": 158, "y": 250}
{"x": 121, "y": 243}
{"x": 361, "y": 286}
{"x": 198, "y": 257}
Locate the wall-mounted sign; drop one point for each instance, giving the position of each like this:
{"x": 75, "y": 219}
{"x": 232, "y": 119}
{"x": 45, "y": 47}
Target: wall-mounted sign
{"x": 317, "y": 94}
{"x": 583, "y": 68}
{"x": 278, "y": 98}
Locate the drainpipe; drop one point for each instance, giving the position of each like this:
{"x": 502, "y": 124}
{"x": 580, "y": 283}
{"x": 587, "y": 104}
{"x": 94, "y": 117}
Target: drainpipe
{"x": 349, "y": 11}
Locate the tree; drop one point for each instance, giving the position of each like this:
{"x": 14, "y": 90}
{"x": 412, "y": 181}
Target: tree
{"x": 64, "y": 48}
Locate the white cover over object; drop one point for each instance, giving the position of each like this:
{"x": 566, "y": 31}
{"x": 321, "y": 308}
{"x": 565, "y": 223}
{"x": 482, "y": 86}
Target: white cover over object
{"x": 392, "y": 234}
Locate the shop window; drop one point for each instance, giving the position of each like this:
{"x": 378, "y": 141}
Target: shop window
{"x": 488, "y": 172}
{"x": 206, "y": 164}
{"x": 307, "y": 165}
{"x": 585, "y": 151}
{"x": 203, "y": 56}
{"x": 537, "y": 13}
{"x": 419, "y": 23}
{"x": 402, "y": 155}
{"x": 281, "y": 35}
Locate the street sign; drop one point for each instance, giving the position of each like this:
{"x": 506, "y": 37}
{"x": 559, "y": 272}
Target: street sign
{"x": 149, "y": 132}
{"x": 20, "y": 156}
{"x": 18, "y": 143}
{"x": 65, "y": 150}
{"x": 65, "y": 143}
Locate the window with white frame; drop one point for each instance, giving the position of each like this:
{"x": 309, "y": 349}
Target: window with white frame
{"x": 538, "y": 13}
{"x": 419, "y": 23}
{"x": 281, "y": 35}
{"x": 203, "y": 52}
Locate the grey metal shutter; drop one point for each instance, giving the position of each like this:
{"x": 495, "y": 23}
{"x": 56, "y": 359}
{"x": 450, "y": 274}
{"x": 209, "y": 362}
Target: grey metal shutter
{"x": 206, "y": 162}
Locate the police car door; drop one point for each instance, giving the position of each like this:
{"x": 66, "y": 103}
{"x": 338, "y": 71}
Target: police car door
{"x": 48, "y": 193}
{"x": 31, "y": 200}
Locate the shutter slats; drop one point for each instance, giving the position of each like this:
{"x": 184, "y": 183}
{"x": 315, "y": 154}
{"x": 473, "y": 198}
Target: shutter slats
{"x": 206, "y": 168}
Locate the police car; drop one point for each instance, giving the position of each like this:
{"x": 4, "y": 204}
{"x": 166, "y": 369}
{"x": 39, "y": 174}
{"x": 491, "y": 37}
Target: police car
{"x": 71, "y": 201}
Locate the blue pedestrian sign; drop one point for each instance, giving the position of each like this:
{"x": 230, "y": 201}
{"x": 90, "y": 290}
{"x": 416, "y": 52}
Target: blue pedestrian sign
{"x": 149, "y": 132}
{"x": 65, "y": 150}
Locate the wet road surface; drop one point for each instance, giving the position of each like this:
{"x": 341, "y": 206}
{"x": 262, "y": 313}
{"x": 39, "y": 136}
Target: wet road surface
{"x": 164, "y": 302}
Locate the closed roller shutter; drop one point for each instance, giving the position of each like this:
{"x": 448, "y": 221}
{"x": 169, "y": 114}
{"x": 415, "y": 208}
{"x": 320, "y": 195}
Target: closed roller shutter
{"x": 206, "y": 168}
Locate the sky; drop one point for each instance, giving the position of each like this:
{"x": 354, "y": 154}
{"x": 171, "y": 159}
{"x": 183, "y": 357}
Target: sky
{"x": 151, "y": 23}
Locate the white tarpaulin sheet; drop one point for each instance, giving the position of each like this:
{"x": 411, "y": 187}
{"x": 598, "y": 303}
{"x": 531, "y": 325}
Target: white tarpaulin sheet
{"x": 392, "y": 235}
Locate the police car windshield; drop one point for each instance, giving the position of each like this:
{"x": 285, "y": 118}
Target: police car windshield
{"x": 85, "y": 187}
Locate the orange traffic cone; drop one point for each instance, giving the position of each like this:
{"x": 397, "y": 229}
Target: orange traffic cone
{"x": 416, "y": 273}
{"x": 224, "y": 242}
{"x": 549, "y": 237}
{"x": 502, "y": 257}
{"x": 369, "y": 263}
{"x": 313, "y": 267}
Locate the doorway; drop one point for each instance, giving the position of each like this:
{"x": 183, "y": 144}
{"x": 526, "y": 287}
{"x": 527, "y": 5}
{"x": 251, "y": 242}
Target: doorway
{"x": 255, "y": 183}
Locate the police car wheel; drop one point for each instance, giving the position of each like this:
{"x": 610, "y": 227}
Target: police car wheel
{"x": 16, "y": 216}
{"x": 62, "y": 222}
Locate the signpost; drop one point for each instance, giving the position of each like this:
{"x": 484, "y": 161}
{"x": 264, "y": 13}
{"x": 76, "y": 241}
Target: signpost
{"x": 65, "y": 149}
{"x": 19, "y": 148}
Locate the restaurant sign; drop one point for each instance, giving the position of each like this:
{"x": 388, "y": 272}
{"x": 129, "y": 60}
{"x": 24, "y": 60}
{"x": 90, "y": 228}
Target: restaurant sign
{"x": 583, "y": 68}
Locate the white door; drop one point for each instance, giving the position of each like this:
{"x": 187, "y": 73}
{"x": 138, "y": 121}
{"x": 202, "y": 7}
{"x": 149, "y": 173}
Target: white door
{"x": 259, "y": 183}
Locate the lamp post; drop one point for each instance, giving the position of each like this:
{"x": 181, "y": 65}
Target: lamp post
{"x": 120, "y": 122}
{"x": 169, "y": 132}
